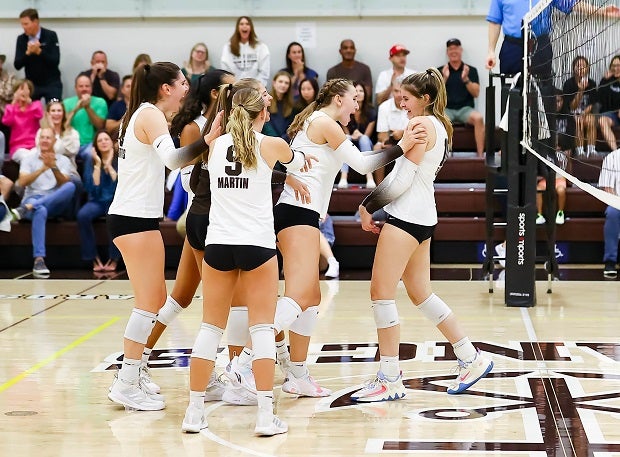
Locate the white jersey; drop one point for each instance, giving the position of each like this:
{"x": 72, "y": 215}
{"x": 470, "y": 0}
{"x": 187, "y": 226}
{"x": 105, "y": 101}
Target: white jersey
{"x": 141, "y": 176}
{"x": 320, "y": 178}
{"x": 241, "y": 201}
{"x": 417, "y": 204}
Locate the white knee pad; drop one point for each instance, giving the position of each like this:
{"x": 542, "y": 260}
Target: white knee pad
{"x": 386, "y": 313}
{"x": 435, "y": 309}
{"x": 238, "y": 326}
{"x": 287, "y": 310}
{"x": 305, "y": 323}
{"x": 140, "y": 325}
{"x": 263, "y": 341}
{"x": 169, "y": 311}
{"x": 207, "y": 342}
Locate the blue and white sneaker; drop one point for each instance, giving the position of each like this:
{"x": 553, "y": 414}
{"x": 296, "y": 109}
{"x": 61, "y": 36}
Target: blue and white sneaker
{"x": 470, "y": 373}
{"x": 381, "y": 389}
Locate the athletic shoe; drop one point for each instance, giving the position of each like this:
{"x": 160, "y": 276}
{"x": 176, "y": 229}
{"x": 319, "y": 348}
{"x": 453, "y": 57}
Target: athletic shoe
{"x": 540, "y": 219}
{"x": 132, "y": 395}
{"x": 216, "y": 388}
{"x": 610, "y": 270}
{"x": 343, "y": 184}
{"x": 305, "y": 386}
{"x": 194, "y": 420}
{"x": 381, "y": 389}
{"x": 470, "y": 373}
{"x": 268, "y": 424}
{"x": 333, "y": 269}
{"x": 500, "y": 250}
{"x": 39, "y": 267}
{"x": 146, "y": 380}
{"x": 18, "y": 213}
{"x": 240, "y": 375}
{"x": 559, "y": 218}
{"x": 239, "y": 396}
{"x": 152, "y": 395}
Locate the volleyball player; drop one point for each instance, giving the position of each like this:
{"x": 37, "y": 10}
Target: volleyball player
{"x": 240, "y": 248}
{"x": 188, "y": 125}
{"x": 403, "y": 249}
{"x": 315, "y": 131}
{"x": 146, "y": 148}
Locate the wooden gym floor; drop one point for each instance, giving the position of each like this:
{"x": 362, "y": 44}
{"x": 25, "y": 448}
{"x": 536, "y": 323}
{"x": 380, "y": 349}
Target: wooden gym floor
{"x": 554, "y": 391}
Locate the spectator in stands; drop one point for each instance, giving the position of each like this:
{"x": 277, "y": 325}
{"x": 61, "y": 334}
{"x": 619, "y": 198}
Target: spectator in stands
{"x": 281, "y": 109}
{"x": 38, "y": 51}
{"x": 141, "y": 59}
{"x": 244, "y": 55}
{"x": 560, "y": 188}
{"x": 463, "y": 86}
{"x": 23, "y": 117}
{"x": 391, "y": 123}
{"x": 609, "y": 181}
{"x": 609, "y": 98}
{"x": 360, "y": 130}
{"x": 579, "y": 99}
{"x": 308, "y": 89}
{"x": 198, "y": 63}
{"x": 296, "y": 67}
{"x": 118, "y": 108}
{"x": 350, "y": 68}
{"x": 5, "y": 214}
{"x": 398, "y": 57}
{"x": 105, "y": 82}
{"x": 327, "y": 239}
{"x": 86, "y": 113}
{"x": 7, "y": 81}
{"x": 46, "y": 178}
{"x": 100, "y": 184}
{"x": 5, "y": 186}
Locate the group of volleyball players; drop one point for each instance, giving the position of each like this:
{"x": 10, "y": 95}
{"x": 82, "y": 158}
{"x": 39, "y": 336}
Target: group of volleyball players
{"x": 232, "y": 229}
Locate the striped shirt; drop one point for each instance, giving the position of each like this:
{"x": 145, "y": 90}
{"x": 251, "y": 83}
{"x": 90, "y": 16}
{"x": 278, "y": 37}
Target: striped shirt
{"x": 610, "y": 172}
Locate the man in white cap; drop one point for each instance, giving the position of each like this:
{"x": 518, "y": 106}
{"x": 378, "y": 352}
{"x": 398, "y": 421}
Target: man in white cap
{"x": 398, "y": 57}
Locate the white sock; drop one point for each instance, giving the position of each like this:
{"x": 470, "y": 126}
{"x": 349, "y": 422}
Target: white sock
{"x": 591, "y": 149}
{"x": 389, "y": 367}
{"x": 464, "y": 350}
{"x": 130, "y": 370}
{"x": 197, "y": 399}
{"x": 265, "y": 400}
{"x": 298, "y": 369}
{"x": 332, "y": 260}
{"x": 146, "y": 354}
{"x": 246, "y": 356}
{"x": 579, "y": 150}
{"x": 282, "y": 350}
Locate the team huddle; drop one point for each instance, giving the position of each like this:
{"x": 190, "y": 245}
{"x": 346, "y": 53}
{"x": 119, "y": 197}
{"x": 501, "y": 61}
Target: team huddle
{"x": 233, "y": 227}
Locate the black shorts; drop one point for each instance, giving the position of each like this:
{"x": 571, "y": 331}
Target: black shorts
{"x": 227, "y": 257}
{"x": 419, "y": 232}
{"x": 125, "y": 225}
{"x": 285, "y": 215}
{"x": 196, "y": 230}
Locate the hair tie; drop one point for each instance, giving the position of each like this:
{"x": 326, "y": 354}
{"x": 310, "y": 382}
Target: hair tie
{"x": 147, "y": 68}
{"x": 230, "y": 86}
{"x": 429, "y": 72}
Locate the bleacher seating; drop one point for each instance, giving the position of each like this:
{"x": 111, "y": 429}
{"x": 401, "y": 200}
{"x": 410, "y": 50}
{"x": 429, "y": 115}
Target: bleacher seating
{"x": 460, "y": 197}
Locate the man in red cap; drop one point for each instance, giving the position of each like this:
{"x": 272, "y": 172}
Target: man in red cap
{"x": 398, "y": 57}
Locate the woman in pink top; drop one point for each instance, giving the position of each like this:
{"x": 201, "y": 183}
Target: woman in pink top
{"x": 22, "y": 116}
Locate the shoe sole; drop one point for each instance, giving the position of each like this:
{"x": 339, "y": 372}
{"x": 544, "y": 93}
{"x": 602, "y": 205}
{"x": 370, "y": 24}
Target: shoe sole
{"x": 133, "y": 405}
{"x": 610, "y": 275}
{"x": 467, "y": 386}
{"x": 268, "y": 431}
{"x": 396, "y": 396}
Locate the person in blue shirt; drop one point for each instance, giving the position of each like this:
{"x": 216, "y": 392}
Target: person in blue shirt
{"x": 507, "y": 16}
{"x": 100, "y": 184}
{"x": 296, "y": 67}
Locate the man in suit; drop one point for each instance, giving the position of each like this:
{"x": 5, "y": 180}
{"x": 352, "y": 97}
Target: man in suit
{"x": 37, "y": 51}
